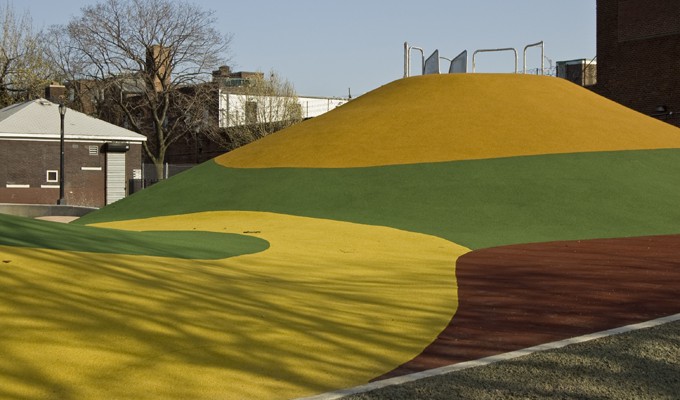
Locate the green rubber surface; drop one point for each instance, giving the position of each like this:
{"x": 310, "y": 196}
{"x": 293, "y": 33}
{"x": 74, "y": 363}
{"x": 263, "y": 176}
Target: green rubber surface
{"x": 478, "y": 203}
{"x": 24, "y": 232}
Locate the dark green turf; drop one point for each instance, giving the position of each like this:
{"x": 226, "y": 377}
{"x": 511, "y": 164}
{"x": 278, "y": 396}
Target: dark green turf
{"x": 480, "y": 203}
{"x": 24, "y": 232}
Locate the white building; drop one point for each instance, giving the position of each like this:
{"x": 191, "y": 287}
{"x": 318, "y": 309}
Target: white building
{"x": 240, "y": 109}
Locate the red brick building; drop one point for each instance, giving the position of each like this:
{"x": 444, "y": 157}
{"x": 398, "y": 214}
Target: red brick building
{"x": 100, "y": 159}
{"x": 638, "y": 55}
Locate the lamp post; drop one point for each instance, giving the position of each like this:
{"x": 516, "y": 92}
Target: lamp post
{"x": 62, "y": 113}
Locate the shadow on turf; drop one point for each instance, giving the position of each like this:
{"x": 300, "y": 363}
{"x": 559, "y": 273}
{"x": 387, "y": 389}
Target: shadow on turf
{"x": 165, "y": 331}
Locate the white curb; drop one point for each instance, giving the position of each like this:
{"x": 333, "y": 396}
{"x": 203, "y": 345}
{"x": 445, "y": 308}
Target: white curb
{"x": 490, "y": 360}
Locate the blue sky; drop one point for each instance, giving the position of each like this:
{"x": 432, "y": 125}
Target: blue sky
{"x": 326, "y": 47}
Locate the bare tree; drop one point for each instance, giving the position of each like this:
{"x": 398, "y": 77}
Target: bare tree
{"x": 24, "y": 70}
{"x": 136, "y": 61}
{"x": 256, "y": 108}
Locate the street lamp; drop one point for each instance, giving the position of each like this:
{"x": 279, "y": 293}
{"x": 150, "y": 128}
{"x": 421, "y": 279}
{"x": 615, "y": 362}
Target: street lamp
{"x": 62, "y": 113}
{"x": 662, "y": 112}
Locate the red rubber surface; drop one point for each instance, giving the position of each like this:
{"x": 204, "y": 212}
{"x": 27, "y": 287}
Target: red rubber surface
{"x": 519, "y": 296}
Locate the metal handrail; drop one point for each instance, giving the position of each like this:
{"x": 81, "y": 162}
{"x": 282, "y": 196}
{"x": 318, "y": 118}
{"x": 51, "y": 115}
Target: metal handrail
{"x": 407, "y": 59}
{"x": 422, "y": 56}
{"x": 524, "y": 57}
{"x": 492, "y": 50}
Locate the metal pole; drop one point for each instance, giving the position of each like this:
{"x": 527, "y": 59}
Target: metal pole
{"x": 62, "y": 112}
{"x": 542, "y": 58}
{"x": 524, "y": 57}
{"x": 407, "y": 60}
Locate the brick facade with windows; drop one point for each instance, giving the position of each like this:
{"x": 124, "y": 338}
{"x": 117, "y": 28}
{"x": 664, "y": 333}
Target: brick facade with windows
{"x": 638, "y": 55}
{"x": 30, "y": 155}
{"x": 25, "y": 164}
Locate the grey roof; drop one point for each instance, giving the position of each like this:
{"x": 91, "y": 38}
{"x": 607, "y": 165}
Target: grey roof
{"x": 39, "y": 119}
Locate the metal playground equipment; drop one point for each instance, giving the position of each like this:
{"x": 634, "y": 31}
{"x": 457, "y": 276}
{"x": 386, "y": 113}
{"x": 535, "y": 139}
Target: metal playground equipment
{"x": 458, "y": 64}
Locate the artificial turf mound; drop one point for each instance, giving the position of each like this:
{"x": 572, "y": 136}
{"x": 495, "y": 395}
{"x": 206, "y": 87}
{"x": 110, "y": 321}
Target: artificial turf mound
{"x": 481, "y": 160}
{"x": 454, "y": 117}
{"x": 365, "y": 211}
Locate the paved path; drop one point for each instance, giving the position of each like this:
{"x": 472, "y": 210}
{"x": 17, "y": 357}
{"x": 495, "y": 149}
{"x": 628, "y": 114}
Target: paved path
{"x": 514, "y": 297}
{"x": 58, "y": 218}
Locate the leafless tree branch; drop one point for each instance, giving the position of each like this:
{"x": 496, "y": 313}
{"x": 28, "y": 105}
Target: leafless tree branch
{"x": 144, "y": 55}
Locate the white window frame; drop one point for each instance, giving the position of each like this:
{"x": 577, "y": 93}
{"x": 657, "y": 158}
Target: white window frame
{"x": 56, "y": 174}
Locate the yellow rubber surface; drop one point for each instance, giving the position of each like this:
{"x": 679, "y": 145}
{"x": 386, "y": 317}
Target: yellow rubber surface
{"x": 453, "y": 117}
{"x": 329, "y": 305}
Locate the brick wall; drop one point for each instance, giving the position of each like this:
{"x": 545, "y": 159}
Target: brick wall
{"x": 638, "y": 54}
{"x": 26, "y": 162}
{"x": 133, "y": 160}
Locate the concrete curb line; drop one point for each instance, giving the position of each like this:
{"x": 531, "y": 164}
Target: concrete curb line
{"x": 491, "y": 359}
{"x": 44, "y": 210}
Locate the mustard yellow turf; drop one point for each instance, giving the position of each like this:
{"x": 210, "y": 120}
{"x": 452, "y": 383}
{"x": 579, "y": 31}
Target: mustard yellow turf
{"x": 436, "y": 118}
{"x": 329, "y": 305}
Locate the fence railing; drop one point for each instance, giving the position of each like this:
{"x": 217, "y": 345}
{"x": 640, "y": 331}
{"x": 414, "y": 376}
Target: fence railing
{"x": 459, "y": 64}
{"x": 149, "y": 175}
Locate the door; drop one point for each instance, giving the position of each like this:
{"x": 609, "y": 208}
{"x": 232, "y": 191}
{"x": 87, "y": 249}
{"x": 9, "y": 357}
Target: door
{"x": 115, "y": 177}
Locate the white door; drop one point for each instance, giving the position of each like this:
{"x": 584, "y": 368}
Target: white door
{"x": 115, "y": 177}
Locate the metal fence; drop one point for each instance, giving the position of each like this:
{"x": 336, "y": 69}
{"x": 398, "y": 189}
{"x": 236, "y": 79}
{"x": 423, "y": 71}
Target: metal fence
{"x": 459, "y": 64}
{"x": 149, "y": 176}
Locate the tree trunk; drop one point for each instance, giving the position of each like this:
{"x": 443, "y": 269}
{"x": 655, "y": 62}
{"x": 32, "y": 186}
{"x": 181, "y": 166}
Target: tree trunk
{"x": 159, "y": 170}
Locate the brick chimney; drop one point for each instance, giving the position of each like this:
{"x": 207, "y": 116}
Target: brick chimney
{"x": 222, "y": 72}
{"x": 55, "y": 93}
{"x": 159, "y": 63}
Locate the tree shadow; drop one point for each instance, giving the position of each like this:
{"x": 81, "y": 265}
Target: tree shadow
{"x": 88, "y": 325}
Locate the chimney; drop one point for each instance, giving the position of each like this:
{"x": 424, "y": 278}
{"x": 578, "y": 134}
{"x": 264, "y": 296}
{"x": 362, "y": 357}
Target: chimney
{"x": 158, "y": 65}
{"x": 55, "y": 93}
{"x": 222, "y": 72}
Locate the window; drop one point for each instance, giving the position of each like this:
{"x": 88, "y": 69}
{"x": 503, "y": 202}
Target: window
{"x": 52, "y": 175}
{"x": 93, "y": 150}
{"x": 235, "y": 82}
{"x": 251, "y": 112}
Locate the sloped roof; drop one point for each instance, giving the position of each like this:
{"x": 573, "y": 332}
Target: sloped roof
{"x": 39, "y": 119}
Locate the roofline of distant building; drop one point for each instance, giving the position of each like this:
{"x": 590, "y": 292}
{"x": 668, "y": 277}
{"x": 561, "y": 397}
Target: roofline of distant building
{"x": 68, "y": 137}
